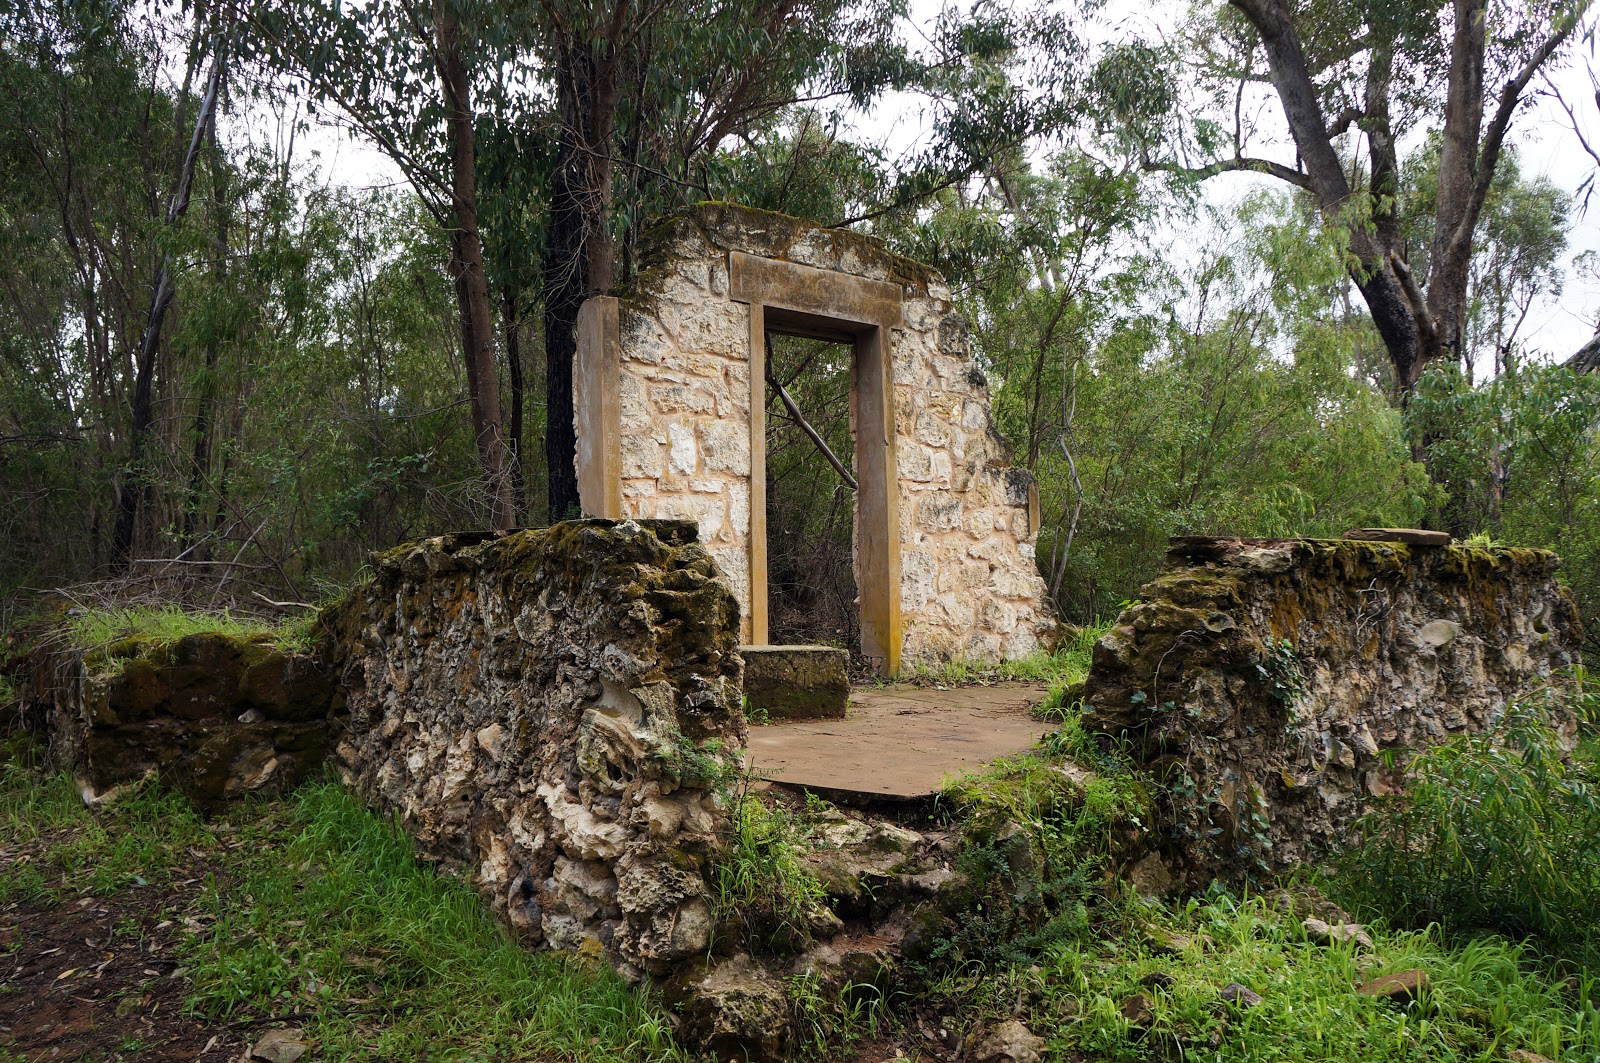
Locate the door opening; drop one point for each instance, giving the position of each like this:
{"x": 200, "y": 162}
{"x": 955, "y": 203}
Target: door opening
{"x": 811, "y": 492}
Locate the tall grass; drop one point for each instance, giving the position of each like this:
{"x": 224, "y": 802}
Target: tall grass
{"x": 1496, "y": 831}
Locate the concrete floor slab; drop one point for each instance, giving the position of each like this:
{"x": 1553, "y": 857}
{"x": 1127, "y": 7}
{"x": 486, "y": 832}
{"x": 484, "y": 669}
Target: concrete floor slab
{"x": 900, "y": 741}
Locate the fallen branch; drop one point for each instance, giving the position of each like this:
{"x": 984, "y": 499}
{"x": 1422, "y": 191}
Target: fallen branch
{"x": 811, "y": 433}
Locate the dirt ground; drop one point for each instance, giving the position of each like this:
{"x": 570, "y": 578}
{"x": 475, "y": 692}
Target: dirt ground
{"x": 98, "y": 979}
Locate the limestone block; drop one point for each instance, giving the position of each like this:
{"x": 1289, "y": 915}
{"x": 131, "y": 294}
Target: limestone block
{"x": 681, "y": 452}
{"x": 726, "y": 445}
{"x": 919, "y": 576}
{"x": 695, "y": 397}
{"x": 641, "y": 457}
{"x": 738, "y": 493}
{"x": 916, "y": 462}
{"x": 796, "y": 682}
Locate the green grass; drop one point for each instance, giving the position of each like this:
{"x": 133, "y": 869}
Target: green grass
{"x": 397, "y": 960}
{"x": 99, "y": 628}
{"x": 763, "y": 885}
{"x": 1484, "y": 997}
{"x": 1496, "y": 831}
{"x": 316, "y": 907}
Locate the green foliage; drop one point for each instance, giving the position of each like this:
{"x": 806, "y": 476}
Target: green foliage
{"x": 99, "y": 628}
{"x": 1281, "y": 672}
{"x": 1039, "y": 833}
{"x": 763, "y": 886}
{"x": 1521, "y": 457}
{"x": 340, "y": 910}
{"x": 1496, "y": 831}
{"x": 1059, "y": 669}
{"x": 317, "y": 906}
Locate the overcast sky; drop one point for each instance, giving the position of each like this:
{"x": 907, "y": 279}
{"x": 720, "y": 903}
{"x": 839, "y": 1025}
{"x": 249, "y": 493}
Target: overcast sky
{"x": 1558, "y": 325}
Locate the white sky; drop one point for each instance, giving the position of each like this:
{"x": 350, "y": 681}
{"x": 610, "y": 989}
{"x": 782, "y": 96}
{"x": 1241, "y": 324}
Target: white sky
{"x": 1558, "y": 324}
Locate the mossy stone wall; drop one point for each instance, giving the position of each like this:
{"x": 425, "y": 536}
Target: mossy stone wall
{"x": 552, "y": 712}
{"x": 215, "y": 716}
{"x": 1274, "y": 686}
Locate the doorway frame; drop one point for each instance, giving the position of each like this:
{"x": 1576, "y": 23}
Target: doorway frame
{"x": 792, "y": 299}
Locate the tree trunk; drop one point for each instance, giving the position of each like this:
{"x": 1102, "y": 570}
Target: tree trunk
{"x": 135, "y": 484}
{"x": 565, "y": 288}
{"x": 200, "y": 463}
{"x": 511, "y": 321}
{"x": 472, "y": 287}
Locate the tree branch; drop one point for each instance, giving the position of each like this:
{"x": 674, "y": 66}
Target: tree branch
{"x": 1414, "y": 297}
{"x": 1239, "y": 162}
{"x": 1344, "y": 120}
{"x": 1510, "y": 96}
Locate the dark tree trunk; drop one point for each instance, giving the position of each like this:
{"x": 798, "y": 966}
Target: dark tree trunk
{"x": 565, "y": 288}
{"x": 472, "y": 286}
{"x": 511, "y": 321}
{"x": 580, "y": 257}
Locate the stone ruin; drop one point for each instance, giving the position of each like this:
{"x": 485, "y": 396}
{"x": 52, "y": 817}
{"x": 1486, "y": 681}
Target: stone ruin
{"x": 1274, "y": 686}
{"x": 551, "y": 713}
{"x": 670, "y": 408}
{"x": 556, "y": 715}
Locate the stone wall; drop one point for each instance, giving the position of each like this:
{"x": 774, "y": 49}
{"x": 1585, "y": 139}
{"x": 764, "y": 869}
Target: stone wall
{"x": 550, "y": 711}
{"x": 968, "y": 583}
{"x": 215, "y": 716}
{"x": 1274, "y": 685}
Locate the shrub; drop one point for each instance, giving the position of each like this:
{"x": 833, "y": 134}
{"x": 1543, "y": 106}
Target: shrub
{"x": 1496, "y": 831}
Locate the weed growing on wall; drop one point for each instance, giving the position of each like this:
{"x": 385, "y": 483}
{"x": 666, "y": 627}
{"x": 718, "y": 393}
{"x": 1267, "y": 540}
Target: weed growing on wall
{"x": 99, "y": 628}
{"x": 763, "y": 887}
{"x": 1497, "y": 830}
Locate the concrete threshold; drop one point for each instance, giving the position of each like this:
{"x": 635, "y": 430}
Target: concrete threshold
{"x": 899, "y": 742}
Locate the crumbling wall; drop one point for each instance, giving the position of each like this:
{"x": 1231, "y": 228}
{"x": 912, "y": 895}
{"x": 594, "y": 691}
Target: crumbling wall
{"x": 215, "y": 716}
{"x": 1274, "y": 685}
{"x": 552, "y": 710}
{"x": 969, "y": 585}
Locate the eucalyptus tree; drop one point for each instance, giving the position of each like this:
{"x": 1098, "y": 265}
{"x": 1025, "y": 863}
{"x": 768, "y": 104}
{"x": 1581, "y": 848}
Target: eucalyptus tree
{"x": 406, "y": 76}
{"x": 1353, "y": 79}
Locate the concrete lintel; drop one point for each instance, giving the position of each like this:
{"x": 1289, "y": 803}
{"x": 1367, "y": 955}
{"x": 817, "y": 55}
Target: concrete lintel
{"x": 815, "y": 293}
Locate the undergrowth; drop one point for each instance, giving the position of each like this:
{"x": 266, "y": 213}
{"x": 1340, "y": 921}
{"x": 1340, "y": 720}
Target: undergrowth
{"x": 763, "y": 885}
{"x": 1040, "y": 832}
{"x": 315, "y": 907}
{"x": 1068, "y": 665}
{"x": 1148, "y": 985}
{"x": 1496, "y": 831}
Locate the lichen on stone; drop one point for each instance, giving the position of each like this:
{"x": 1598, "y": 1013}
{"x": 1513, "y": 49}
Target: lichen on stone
{"x": 550, "y": 710}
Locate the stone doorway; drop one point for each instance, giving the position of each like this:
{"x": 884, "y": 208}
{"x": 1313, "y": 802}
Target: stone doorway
{"x": 670, "y": 401}
{"x": 795, "y": 300}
